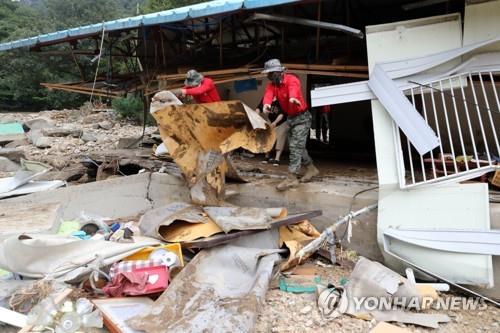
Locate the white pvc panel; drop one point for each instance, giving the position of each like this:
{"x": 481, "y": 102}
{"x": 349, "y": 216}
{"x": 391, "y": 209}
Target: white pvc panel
{"x": 452, "y": 206}
{"x": 447, "y": 206}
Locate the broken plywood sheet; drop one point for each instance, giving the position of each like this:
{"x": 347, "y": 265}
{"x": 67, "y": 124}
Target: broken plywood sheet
{"x": 178, "y": 222}
{"x": 244, "y": 218}
{"x": 198, "y": 135}
{"x": 31, "y": 218}
{"x": 294, "y": 237}
{"x": 182, "y": 222}
{"x": 219, "y": 239}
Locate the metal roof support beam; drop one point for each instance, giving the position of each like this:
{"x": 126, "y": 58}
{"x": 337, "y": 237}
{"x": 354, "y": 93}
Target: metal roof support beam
{"x": 309, "y": 23}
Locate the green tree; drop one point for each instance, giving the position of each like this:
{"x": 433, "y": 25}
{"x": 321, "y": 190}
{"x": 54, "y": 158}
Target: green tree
{"x": 73, "y": 13}
{"x": 22, "y": 72}
{"x": 159, "y": 5}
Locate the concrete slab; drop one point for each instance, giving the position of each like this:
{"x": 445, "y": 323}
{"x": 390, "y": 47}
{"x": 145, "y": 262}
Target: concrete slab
{"x": 334, "y": 197}
{"x": 32, "y": 218}
{"x": 132, "y": 195}
{"x": 117, "y": 197}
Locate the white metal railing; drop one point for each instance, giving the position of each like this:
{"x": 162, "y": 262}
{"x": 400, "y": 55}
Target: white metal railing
{"x": 464, "y": 112}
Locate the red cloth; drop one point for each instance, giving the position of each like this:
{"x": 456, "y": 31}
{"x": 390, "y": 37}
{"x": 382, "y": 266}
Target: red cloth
{"x": 130, "y": 265}
{"x": 140, "y": 281}
{"x": 205, "y": 92}
{"x": 290, "y": 87}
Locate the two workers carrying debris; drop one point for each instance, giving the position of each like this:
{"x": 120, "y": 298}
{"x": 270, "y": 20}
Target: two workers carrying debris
{"x": 286, "y": 89}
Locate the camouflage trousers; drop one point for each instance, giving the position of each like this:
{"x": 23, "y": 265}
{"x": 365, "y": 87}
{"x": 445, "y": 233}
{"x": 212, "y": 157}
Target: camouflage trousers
{"x": 299, "y": 128}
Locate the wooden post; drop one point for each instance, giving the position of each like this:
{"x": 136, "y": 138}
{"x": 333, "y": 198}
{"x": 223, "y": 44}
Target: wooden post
{"x": 348, "y": 18}
{"x": 318, "y": 30}
{"x": 257, "y": 37}
{"x": 233, "y": 31}
{"x": 82, "y": 74}
{"x": 220, "y": 44}
{"x": 282, "y": 43}
{"x": 164, "y": 57}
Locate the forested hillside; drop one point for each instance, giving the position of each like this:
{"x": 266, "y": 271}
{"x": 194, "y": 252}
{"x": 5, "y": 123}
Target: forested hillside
{"x": 21, "y": 71}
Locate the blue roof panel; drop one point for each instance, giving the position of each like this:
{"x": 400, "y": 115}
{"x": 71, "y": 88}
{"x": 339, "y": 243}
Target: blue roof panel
{"x": 167, "y": 16}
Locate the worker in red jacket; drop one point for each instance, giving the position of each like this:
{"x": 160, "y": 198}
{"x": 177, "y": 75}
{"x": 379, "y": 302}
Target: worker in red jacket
{"x": 201, "y": 88}
{"x": 286, "y": 88}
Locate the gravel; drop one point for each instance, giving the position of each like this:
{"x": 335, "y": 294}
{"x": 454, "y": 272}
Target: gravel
{"x": 287, "y": 312}
{"x": 282, "y": 311}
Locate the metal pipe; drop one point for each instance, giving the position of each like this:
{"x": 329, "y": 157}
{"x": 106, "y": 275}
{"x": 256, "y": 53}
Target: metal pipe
{"x": 489, "y": 113}
{"x": 469, "y": 123}
{"x": 464, "y": 152}
{"x": 438, "y": 131}
{"x": 421, "y": 157}
{"x": 309, "y": 23}
{"x": 480, "y": 119}
{"x": 448, "y": 127}
{"x": 318, "y": 242}
{"x": 427, "y": 121}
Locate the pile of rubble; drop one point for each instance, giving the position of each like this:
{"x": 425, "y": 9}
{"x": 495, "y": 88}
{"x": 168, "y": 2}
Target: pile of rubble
{"x": 140, "y": 254}
{"x": 73, "y": 143}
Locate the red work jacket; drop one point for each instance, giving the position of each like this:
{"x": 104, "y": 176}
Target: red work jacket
{"x": 290, "y": 87}
{"x": 205, "y": 92}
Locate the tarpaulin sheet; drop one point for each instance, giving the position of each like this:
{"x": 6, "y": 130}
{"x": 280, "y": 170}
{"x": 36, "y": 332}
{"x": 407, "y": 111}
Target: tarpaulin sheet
{"x": 65, "y": 258}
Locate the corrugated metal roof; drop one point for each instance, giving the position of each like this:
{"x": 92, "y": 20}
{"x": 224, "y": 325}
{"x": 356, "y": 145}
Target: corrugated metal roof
{"x": 167, "y": 16}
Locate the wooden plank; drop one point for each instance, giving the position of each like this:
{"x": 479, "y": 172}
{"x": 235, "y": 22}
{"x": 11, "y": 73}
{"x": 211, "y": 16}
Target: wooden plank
{"x": 182, "y": 76}
{"x": 338, "y": 74}
{"x": 225, "y": 238}
{"x": 353, "y": 68}
{"x": 12, "y": 317}
{"x": 168, "y": 85}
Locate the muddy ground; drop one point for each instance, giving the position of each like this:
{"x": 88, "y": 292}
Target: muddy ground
{"x": 282, "y": 312}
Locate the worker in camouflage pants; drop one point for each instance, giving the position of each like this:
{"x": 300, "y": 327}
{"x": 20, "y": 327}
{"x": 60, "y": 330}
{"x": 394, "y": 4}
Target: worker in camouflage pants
{"x": 298, "y": 133}
{"x": 286, "y": 89}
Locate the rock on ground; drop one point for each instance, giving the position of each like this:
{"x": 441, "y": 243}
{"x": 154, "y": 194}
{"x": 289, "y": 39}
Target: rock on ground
{"x": 13, "y": 154}
{"x": 7, "y": 165}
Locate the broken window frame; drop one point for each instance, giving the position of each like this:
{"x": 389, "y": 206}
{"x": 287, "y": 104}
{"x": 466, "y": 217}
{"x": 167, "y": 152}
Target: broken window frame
{"x": 485, "y": 102}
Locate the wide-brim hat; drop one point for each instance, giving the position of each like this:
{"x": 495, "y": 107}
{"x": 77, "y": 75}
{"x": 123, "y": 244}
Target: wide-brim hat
{"x": 273, "y": 65}
{"x": 193, "y": 78}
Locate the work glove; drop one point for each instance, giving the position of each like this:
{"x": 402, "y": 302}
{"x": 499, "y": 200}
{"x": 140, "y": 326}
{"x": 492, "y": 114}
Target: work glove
{"x": 178, "y": 92}
{"x": 266, "y": 108}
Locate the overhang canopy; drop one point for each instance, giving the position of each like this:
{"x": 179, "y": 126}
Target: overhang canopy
{"x": 168, "y": 16}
